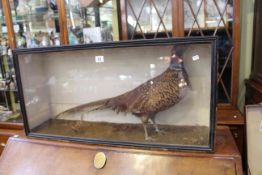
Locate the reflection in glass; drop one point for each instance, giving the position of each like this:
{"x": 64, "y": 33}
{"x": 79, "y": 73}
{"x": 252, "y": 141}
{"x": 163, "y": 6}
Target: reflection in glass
{"x": 92, "y": 21}
{"x": 35, "y": 23}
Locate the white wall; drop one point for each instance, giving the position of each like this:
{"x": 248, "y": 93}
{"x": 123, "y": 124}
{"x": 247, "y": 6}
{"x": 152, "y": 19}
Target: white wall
{"x": 247, "y": 13}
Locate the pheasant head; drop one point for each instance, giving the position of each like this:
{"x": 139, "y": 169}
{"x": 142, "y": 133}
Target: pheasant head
{"x": 176, "y": 60}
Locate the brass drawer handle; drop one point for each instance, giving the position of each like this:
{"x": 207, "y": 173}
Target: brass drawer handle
{"x": 2, "y": 144}
{"x": 100, "y": 160}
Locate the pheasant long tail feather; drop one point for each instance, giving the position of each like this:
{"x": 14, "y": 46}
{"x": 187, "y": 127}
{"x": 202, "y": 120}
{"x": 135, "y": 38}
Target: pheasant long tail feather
{"x": 88, "y": 107}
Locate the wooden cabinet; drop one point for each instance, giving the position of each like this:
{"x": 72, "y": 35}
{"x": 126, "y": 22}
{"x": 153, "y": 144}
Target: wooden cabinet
{"x": 235, "y": 120}
{"x": 137, "y": 19}
{"x": 254, "y": 84}
{"x": 4, "y": 136}
{"x": 253, "y": 92}
{"x": 256, "y": 74}
{"x": 149, "y": 19}
{"x": 32, "y": 156}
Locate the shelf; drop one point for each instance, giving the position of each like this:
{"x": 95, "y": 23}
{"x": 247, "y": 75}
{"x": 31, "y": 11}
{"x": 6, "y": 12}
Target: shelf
{"x": 7, "y": 90}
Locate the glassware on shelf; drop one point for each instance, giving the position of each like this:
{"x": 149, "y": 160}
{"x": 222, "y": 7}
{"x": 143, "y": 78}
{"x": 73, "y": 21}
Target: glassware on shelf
{"x": 35, "y": 23}
{"x": 8, "y": 92}
{"x": 92, "y": 21}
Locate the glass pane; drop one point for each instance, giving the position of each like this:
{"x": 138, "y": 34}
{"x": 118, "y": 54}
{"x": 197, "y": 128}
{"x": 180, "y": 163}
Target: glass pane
{"x": 92, "y": 21}
{"x": 35, "y": 23}
{"x": 210, "y": 19}
{"x": 8, "y": 92}
{"x": 149, "y": 17}
{"x": 3, "y": 31}
{"x": 214, "y": 9}
{"x": 66, "y": 95}
{"x": 198, "y": 11}
{"x": 167, "y": 19}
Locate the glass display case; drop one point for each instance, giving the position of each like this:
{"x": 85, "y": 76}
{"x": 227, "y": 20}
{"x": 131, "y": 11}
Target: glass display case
{"x": 151, "y": 93}
{"x": 92, "y": 21}
{"x": 35, "y": 23}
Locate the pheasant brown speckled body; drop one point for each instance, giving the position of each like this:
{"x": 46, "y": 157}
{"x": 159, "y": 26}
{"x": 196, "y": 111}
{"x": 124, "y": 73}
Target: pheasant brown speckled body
{"x": 151, "y": 97}
{"x": 157, "y": 94}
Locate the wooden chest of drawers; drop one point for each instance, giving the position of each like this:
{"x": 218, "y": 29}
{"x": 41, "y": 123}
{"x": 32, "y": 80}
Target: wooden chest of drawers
{"x": 41, "y": 157}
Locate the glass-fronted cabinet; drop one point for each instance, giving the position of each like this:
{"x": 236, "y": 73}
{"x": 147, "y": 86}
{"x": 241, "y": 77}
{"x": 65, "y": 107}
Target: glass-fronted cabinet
{"x": 3, "y": 30}
{"x": 35, "y": 23}
{"x": 214, "y": 18}
{"x": 41, "y": 23}
{"x": 9, "y": 103}
{"x": 92, "y": 21}
{"x": 9, "y": 108}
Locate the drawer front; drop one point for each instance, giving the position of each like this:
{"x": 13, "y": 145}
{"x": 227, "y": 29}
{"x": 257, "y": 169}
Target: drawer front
{"x": 66, "y": 160}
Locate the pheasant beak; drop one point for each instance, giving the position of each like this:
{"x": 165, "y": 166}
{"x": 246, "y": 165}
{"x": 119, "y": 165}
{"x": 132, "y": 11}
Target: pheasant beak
{"x": 179, "y": 60}
{"x": 167, "y": 59}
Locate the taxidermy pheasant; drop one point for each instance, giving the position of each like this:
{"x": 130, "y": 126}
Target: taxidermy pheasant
{"x": 151, "y": 97}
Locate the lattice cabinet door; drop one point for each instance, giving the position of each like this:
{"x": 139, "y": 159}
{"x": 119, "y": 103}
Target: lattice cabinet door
{"x": 151, "y": 19}
{"x": 218, "y": 18}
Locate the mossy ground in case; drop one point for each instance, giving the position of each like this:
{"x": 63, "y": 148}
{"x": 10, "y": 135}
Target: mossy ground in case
{"x": 178, "y": 135}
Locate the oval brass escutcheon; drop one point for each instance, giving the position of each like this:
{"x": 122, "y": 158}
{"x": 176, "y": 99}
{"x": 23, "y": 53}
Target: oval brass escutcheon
{"x": 100, "y": 160}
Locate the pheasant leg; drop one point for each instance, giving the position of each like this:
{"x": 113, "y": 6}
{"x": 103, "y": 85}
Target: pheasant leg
{"x": 78, "y": 123}
{"x": 161, "y": 132}
{"x": 144, "y": 120}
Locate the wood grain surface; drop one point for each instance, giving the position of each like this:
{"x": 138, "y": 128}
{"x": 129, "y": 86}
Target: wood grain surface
{"x": 26, "y": 156}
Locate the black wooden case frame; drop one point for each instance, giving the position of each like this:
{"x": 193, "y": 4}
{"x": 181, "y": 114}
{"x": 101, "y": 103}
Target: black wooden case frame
{"x": 17, "y": 53}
